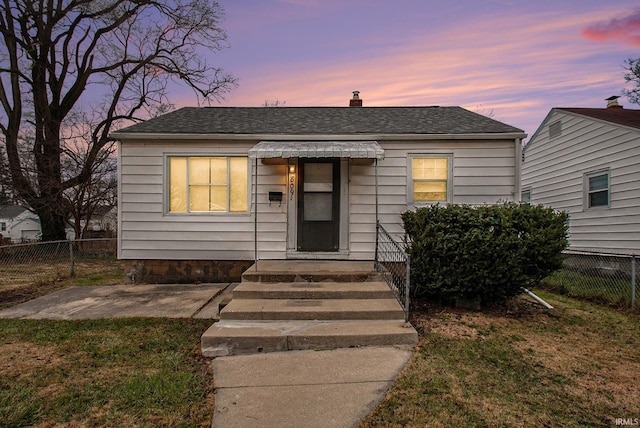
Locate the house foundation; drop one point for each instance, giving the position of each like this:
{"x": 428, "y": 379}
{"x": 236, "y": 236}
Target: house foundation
{"x": 184, "y": 271}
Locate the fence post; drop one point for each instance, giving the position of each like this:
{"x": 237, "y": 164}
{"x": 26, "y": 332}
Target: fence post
{"x": 633, "y": 282}
{"x": 72, "y": 273}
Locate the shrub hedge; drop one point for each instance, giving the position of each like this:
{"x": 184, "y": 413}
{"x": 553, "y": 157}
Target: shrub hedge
{"x": 485, "y": 253}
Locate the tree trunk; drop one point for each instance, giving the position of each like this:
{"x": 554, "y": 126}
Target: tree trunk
{"x": 52, "y": 223}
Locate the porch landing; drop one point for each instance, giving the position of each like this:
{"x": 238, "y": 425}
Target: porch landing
{"x": 301, "y": 305}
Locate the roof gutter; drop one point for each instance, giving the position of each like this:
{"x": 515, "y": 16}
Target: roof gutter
{"x": 316, "y": 137}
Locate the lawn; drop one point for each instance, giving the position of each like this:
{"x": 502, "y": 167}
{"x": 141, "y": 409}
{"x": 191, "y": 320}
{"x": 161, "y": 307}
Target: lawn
{"x": 575, "y": 366}
{"x": 104, "y": 373}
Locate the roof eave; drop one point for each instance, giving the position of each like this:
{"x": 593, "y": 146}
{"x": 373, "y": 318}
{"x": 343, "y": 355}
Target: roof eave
{"x": 317, "y": 137}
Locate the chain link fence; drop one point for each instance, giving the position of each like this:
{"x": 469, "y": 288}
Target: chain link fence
{"x": 25, "y": 265}
{"x": 596, "y": 276}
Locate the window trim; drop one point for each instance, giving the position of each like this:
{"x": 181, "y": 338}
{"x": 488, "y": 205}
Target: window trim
{"x": 587, "y": 193}
{"x": 431, "y": 155}
{"x": 167, "y": 184}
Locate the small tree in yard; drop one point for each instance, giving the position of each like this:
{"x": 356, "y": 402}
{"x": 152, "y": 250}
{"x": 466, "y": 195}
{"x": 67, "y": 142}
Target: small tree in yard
{"x": 100, "y": 189}
{"x": 118, "y": 57}
{"x": 485, "y": 253}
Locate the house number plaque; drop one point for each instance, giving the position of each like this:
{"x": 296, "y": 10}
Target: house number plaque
{"x": 292, "y": 186}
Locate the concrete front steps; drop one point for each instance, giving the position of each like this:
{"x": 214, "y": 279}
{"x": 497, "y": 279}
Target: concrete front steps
{"x": 290, "y": 310}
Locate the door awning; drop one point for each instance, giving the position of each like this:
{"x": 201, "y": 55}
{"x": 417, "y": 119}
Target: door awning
{"x": 317, "y": 149}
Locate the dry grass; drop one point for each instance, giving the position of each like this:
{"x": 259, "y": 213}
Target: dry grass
{"x": 522, "y": 366}
{"x": 104, "y": 373}
{"x": 22, "y": 282}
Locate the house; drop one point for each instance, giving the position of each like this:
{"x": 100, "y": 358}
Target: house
{"x": 18, "y": 224}
{"x": 104, "y": 222}
{"x": 586, "y": 161}
{"x": 204, "y": 192}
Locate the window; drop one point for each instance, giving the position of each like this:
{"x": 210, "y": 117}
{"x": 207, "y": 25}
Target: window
{"x": 525, "y": 196}
{"x": 555, "y": 129}
{"x": 430, "y": 178}
{"x": 597, "y": 189}
{"x": 208, "y": 184}
{"x": 3, "y": 226}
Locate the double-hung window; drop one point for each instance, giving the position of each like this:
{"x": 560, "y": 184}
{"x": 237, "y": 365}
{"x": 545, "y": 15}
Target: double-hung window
{"x": 430, "y": 178}
{"x": 597, "y": 189}
{"x": 208, "y": 184}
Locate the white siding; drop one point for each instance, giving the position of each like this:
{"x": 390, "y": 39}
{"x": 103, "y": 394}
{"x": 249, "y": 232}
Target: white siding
{"x": 147, "y": 231}
{"x": 483, "y": 172}
{"x": 554, "y": 169}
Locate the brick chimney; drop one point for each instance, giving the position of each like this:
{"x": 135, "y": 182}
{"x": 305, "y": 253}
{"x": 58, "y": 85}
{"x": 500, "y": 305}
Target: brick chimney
{"x": 612, "y": 102}
{"x": 355, "y": 101}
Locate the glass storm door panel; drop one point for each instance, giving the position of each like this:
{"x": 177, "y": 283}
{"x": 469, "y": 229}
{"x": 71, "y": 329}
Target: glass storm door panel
{"x": 319, "y": 205}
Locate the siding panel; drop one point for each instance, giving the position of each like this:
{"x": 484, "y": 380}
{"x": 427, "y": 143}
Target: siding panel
{"x": 554, "y": 170}
{"x": 483, "y": 172}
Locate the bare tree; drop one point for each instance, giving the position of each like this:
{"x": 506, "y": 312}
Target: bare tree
{"x": 61, "y": 56}
{"x": 632, "y": 75}
{"x": 99, "y": 190}
{"x": 273, "y": 103}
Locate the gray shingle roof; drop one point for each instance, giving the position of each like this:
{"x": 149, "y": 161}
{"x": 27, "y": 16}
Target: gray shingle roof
{"x": 320, "y": 121}
{"x": 11, "y": 211}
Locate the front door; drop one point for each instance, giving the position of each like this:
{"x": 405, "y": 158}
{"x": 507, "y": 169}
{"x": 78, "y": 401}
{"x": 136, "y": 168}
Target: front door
{"x": 319, "y": 205}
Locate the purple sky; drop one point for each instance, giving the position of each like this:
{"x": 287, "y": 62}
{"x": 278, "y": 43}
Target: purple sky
{"x": 514, "y": 60}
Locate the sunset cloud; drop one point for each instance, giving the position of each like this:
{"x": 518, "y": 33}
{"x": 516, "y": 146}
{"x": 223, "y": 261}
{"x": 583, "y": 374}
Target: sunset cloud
{"x": 625, "y": 29}
{"x": 515, "y": 63}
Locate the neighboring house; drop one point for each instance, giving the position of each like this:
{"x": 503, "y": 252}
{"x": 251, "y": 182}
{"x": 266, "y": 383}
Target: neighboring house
{"x": 103, "y": 223}
{"x": 187, "y": 181}
{"x": 18, "y": 224}
{"x": 586, "y": 161}
{"x": 105, "y": 219}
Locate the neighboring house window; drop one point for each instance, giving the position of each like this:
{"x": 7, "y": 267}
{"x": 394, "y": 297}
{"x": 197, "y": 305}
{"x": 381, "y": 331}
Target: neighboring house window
{"x": 3, "y": 226}
{"x": 597, "y": 189}
{"x": 555, "y": 129}
{"x": 208, "y": 184}
{"x": 430, "y": 178}
{"x": 525, "y": 195}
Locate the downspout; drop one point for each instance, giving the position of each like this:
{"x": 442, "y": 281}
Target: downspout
{"x": 517, "y": 197}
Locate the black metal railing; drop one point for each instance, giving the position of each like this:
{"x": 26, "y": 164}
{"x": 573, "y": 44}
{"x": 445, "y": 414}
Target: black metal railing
{"x": 395, "y": 266}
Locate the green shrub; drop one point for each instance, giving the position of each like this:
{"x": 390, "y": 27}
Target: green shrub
{"x": 487, "y": 253}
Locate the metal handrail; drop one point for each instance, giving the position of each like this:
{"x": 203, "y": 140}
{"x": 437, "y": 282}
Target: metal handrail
{"x": 394, "y": 264}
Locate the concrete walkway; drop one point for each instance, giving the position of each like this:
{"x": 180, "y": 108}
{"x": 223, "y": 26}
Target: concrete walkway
{"x": 123, "y": 301}
{"x": 334, "y": 388}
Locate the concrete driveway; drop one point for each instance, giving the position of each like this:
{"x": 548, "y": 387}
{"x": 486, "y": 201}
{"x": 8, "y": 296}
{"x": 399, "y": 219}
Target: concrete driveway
{"x": 124, "y": 301}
